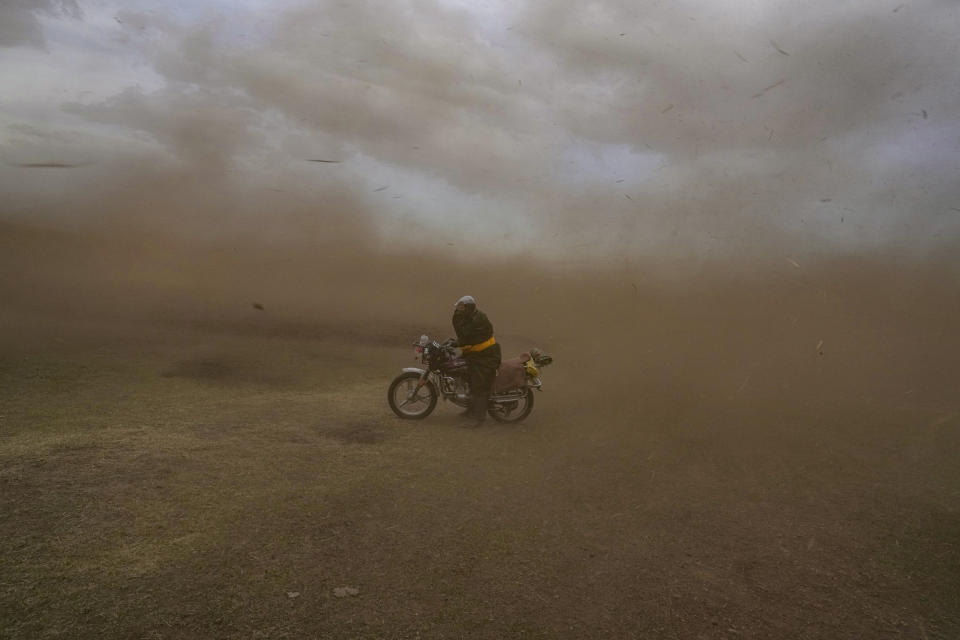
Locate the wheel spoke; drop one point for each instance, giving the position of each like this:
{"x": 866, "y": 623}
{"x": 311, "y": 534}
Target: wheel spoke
{"x": 412, "y": 399}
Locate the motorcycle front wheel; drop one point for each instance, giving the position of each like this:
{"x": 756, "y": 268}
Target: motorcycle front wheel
{"x": 513, "y": 410}
{"x": 407, "y": 401}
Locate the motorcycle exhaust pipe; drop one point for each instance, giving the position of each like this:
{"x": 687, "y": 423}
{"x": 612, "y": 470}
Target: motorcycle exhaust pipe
{"x": 507, "y": 397}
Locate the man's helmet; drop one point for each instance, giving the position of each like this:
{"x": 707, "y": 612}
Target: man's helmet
{"x": 469, "y": 305}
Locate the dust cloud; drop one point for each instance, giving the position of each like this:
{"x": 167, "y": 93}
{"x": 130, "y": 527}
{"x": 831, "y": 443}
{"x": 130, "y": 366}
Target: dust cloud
{"x": 867, "y": 323}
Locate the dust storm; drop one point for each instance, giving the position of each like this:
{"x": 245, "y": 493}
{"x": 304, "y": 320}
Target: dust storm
{"x": 734, "y": 229}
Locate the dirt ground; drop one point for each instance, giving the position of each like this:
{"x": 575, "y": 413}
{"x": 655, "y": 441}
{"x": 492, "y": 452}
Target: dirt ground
{"x": 768, "y": 453}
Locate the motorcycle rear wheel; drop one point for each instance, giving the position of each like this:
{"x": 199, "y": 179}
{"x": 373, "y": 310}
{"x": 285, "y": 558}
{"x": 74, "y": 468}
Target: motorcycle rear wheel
{"x": 399, "y": 397}
{"x": 512, "y": 410}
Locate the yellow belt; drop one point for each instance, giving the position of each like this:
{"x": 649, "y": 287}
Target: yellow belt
{"x": 473, "y": 348}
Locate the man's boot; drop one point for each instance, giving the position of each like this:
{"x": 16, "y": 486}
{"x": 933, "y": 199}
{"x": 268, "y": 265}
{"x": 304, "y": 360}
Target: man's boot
{"x": 478, "y": 405}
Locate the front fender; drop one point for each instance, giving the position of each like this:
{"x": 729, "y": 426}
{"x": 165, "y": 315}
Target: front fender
{"x": 413, "y": 370}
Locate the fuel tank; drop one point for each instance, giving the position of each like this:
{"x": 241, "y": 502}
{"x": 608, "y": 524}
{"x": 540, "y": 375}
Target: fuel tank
{"x": 454, "y": 366}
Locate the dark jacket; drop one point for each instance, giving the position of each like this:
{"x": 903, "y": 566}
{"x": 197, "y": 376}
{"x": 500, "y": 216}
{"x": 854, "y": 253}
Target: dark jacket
{"x": 475, "y": 329}
{"x": 472, "y": 329}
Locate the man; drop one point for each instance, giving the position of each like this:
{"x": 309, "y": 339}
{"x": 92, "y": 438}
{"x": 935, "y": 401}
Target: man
{"x": 480, "y": 350}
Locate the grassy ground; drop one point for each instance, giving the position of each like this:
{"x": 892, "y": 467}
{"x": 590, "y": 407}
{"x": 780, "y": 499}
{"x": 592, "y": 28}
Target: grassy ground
{"x": 204, "y": 485}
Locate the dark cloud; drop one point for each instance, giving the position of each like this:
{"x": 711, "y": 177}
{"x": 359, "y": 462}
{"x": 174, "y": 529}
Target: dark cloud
{"x": 607, "y": 127}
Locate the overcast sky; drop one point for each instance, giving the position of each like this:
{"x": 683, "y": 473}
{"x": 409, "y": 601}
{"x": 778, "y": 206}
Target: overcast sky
{"x": 624, "y": 128}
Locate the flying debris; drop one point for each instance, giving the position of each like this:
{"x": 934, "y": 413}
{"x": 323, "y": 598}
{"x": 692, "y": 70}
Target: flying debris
{"x": 667, "y": 109}
{"x": 737, "y": 53}
{"x": 773, "y": 86}
{"x": 777, "y": 47}
{"x": 46, "y": 165}
{"x": 386, "y": 186}
{"x": 258, "y": 306}
{"x": 324, "y": 161}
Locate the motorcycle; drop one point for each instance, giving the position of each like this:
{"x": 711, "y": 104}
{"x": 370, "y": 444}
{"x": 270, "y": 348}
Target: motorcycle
{"x": 414, "y": 393}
